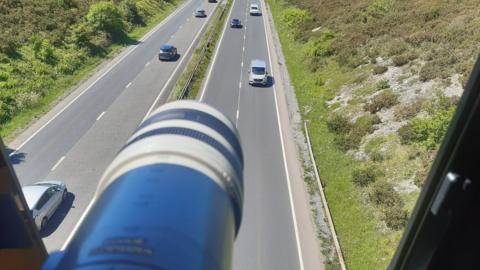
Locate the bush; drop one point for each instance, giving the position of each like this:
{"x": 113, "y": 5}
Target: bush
{"x": 409, "y": 110}
{"x": 295, "y": 19}
{"x": 407, "y": 134}
{"x": 106, "y": 17}
{"x": 348, "y": 141}
{"x": 382, "y": 84}
{"x": 364, "y": 124}
{"x": 364, "y": 176}
{"x": 395, "y": 217}
{"x": 384, "y": 194}
{"x": 130, "y": 11}
{"x": 8, "y": 107}
{"x": 339, "y": 124}
{"x": 399, "y": 60}
{"x": 379, "y": 69}
{"x": 385, "y": 99}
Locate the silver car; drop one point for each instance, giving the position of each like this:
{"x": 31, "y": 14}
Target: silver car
{"x": 43, "y": 199}
{"x": 200, "y": 13}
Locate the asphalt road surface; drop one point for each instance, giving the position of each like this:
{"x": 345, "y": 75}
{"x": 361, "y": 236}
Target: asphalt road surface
{"x": 77, "y": 145}
{"x": 79, "y": 138}
{"x": 268, "y": 237}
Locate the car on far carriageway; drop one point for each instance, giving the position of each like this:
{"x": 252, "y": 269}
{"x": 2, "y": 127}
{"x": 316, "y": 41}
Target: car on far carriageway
{"x": 235, "y": 23}
{"x": 43, "y": 199}
{"x": 200, "y": 13}
{"x": 167, "y": 52}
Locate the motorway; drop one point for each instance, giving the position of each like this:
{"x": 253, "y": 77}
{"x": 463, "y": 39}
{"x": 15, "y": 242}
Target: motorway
{"x": 77, "y": 141}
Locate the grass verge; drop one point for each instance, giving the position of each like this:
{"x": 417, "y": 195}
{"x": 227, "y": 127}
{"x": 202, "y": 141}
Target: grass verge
{"x": 199, "y": 62}
{"x": 68, "y": 83}
{"x": 365, "y": 246}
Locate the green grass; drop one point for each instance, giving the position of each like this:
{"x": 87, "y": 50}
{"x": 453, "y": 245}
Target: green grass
{"x": 216, "y": 26}
{"x": 65, "y": 84}
{"x": 363, "y": 245}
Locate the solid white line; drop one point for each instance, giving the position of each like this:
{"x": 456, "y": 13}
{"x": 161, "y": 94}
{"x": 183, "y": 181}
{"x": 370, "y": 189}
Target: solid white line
{"x": 238, "y": 114}
{"x": 147, "y": 64}
{"x": 294, "y": 217}
{"x": 128, "y": 52}
{"x": 58, "y": 163}
{"x": 241, "y": 64}
{"x": 217, "y": 49}
{"x": 100, "y": 116}
{"x": 176, "y": 69}
{"x": 128, "y": 85}
{"x": 240, "y": 84}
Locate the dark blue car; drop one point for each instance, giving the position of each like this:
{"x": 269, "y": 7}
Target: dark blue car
{"x": 236, "y": 23}
{"x": 167, "y": 52}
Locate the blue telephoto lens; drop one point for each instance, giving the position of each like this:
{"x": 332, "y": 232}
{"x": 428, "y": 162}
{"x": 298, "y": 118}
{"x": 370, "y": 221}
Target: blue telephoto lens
{"x": 171, "y": 199}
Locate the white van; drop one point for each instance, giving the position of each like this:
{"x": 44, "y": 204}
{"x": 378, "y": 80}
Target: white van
{"x": 258, "y": 73}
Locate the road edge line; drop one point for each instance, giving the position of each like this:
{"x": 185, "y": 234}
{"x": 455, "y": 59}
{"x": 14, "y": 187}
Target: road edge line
{"x": 285, "y": 164}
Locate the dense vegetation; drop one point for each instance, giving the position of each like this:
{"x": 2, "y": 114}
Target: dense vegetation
{"x": 379, "y": 81}
{"x": 44, "y": 44}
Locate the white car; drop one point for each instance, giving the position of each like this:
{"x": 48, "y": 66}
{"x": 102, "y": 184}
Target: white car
{"x": 254, "y": 10}
{"x": 200, "y": 13}
{"x": 43, "y": 199}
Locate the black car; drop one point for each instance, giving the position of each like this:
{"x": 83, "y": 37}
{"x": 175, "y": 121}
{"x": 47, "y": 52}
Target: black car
{"x": 167, "y": 52}
{"x": 236, "y": 23}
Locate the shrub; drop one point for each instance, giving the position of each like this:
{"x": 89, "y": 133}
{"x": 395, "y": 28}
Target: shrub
{"x": 377, "y": 156}
{"x": 427, "y": 131}
{"x": 130, "y": 11}
{"x": 364, "y": 124}
{"x": 395, "y": 217}
{"x": 8, "y": 107}
{"x": 295, "y": 19}
{"x": 44, "y": 51}
{"x": 339, "y": 124}
{"x": 399, "y": 60}
{"x": 379, "y": 69}
{"x": 409, "y": 110}
{"x": 385, "y": 99}
{"x": 406, "y": 134}
{"x": 364, "y": 176}
{"x": 382, "y": 84}
{"x": 106, "y": 17}
{"x": 347, "y": 142}
{"x": 384, "y": 194}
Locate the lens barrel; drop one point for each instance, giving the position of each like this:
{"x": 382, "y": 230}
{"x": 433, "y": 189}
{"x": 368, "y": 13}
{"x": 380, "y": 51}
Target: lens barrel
{"x": 171, "y": 199}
